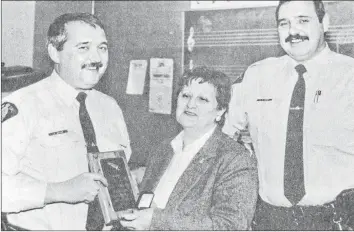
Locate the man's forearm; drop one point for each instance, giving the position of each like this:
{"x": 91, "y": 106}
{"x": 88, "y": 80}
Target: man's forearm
{"x": 54, "y": 193}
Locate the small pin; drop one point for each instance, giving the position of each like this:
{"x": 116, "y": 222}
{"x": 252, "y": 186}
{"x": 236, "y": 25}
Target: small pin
{"x": 201, "y": 161}
{"x": 317, "y": 96}
{"x": 296, "y": 108}
{"x": 58, "y": 132}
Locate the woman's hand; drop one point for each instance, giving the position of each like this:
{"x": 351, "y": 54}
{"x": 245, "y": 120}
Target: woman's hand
{"x": 134, "y": 219}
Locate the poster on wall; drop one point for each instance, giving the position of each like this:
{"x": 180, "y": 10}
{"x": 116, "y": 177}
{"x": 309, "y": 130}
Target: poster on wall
{"x": 136, "y": 78}
{"x": 161, "y": 81}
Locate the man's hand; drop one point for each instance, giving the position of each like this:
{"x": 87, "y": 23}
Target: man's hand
{"x": 82, "y": 188}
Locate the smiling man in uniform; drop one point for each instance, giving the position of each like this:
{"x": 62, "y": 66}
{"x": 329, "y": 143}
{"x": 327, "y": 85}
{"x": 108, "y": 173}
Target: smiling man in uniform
{"x": 299, "y": 111}
{"x": 51, "y": 125}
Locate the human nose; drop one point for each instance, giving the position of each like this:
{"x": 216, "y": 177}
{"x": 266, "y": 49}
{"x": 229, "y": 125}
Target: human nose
{"x": 191, "y": 103}
{"x": 94, "y": 55}
{"x": 293, "y": 29}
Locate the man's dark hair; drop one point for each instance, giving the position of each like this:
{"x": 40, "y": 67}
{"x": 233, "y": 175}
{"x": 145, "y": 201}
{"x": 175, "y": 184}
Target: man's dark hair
{"x": 319, "y": 8}
{"x": 57, "y": 34}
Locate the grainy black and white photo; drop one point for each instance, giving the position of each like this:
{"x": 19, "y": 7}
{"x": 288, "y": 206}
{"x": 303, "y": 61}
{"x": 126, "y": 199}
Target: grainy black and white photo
{"x": 177, "y": 115}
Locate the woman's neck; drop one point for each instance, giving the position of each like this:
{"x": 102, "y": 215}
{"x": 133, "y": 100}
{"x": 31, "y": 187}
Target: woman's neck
{"x": 192, "y": 134}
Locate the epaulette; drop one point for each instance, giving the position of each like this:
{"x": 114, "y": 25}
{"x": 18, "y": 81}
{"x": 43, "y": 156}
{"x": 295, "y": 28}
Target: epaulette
{"x": 265, "y": 61}
{"x": 8, "y": 110}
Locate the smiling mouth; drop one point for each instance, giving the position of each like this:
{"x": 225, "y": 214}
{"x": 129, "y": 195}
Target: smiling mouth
{"x": 295, "y": 39}
{"x": 189, "y": 113}
{"x": 92, "y": 66}
{"x": 92, "y": 69}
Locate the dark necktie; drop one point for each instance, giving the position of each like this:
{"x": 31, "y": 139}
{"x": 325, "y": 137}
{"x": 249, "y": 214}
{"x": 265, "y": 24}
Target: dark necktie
{"x": 294, "y": 187}
{"x": 95, "y": 220}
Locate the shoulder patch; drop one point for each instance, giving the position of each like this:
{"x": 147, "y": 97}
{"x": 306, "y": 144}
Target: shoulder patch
{"x": 8, "y": 110}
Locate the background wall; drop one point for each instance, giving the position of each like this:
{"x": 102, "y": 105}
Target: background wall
{"x": 45, "y": 13}
{"x": 141, "y": 30}
{"x": 17, "y": 29}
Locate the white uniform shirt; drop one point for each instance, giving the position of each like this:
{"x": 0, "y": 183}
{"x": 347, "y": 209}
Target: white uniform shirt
{"x": 31, "y": 157}
{"x": 179, "y": 163}
{"x": 261, "y": 102}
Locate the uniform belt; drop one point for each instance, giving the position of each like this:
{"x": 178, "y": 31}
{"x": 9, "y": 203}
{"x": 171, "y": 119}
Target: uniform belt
{"x": 335, "y": 215}
{"x": 299, "y": 210}
{"x": 302, "y": 214}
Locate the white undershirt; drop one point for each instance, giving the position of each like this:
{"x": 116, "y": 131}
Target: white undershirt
{"x": 179, "y": 163}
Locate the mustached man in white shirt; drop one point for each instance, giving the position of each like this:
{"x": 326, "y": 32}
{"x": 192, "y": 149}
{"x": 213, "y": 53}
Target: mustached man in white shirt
{"x": 262, "y": 102}
{"x": 46, "y": 184}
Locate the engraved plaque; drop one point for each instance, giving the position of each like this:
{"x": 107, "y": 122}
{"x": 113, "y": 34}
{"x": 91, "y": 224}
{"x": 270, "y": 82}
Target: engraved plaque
{"x": 122, "y": 190}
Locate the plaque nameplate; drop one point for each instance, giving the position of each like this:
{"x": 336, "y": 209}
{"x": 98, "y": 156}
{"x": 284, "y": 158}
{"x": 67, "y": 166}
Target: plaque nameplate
{"x": 122, "y": 190}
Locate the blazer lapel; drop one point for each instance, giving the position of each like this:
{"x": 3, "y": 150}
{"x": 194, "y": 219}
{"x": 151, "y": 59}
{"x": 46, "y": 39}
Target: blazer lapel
{"x": 159, "y": 169}
{"x": 196, "y": 169}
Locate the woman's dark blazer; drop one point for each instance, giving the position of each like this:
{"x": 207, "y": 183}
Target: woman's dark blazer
{"x": 217, "y": 191}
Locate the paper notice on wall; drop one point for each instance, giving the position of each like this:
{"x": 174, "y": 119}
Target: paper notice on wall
{"x": 161, "y": 81}
{"x": 136, "y": 78}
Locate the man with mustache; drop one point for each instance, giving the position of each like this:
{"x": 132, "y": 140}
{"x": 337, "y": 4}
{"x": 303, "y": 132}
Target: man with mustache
{"x": 299, "y": 111}
{"x": 51, "y": 125}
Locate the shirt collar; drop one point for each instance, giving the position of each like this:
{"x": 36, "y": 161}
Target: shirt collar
{"x": 312, "y": 64}
{"x": 319, "y": 58}
{"x": 65, "y": 91}
{"x": 177, "y": 142}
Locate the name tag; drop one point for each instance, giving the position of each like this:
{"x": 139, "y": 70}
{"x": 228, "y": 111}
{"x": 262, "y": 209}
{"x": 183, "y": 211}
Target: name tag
{"x": 58, "y": 132}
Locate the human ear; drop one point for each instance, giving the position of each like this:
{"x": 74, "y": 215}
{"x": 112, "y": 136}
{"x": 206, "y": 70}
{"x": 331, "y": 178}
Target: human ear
{"x": 53, "y": 54}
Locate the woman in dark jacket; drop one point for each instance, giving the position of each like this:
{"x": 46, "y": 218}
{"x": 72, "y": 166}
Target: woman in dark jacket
{"x": 202, "y": 179}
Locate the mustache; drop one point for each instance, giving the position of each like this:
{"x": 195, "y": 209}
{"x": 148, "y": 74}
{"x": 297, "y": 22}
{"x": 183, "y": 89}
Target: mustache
{"x": 96, "y": 65}
{"x": 297, "y": 36}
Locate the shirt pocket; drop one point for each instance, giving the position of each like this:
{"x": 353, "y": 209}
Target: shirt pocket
{"x": 61, "y": 139}
{"x": 264, "y": 110}
{"x": 62, "y": 155}
{"x": 111, "y": 140}
{"x": 324, "y": 115}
